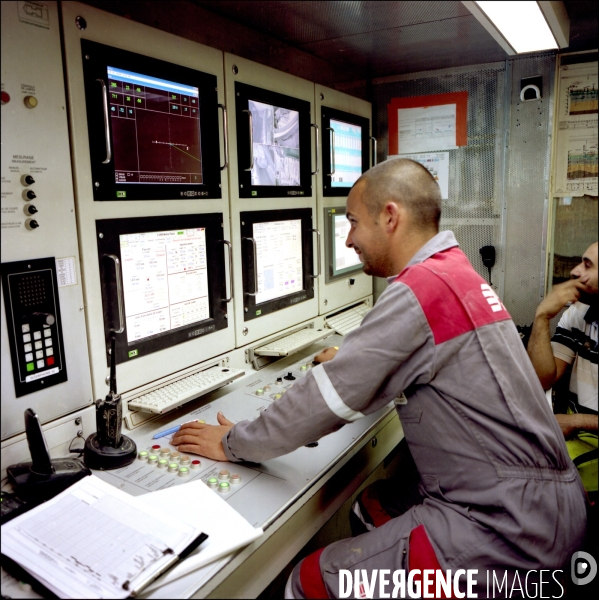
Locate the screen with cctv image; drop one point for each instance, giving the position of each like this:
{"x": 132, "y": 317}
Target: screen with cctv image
{"x": 277, "y": 259}
{"x": 168, "y": 286}
{"x": 345, "y": 150}
{"x": 153, "y": 127}
{"x": 341, "y": 260}
{"x": 273, "y": 144}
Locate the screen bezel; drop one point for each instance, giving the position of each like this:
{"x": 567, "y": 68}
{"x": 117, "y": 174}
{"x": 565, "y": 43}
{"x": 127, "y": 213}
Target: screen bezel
{"x": 243, "y": 94}
{"x": 247, "y": 220}
{"x": 107, "y": 235}
{"x": 96, "y": 58}
{"x": 328, "y": 114}
{"x": 330, "y": 272}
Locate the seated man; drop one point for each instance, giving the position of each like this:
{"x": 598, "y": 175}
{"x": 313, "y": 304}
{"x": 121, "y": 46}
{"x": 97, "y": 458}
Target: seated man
{"x": 574, "y": 343}
{"x": 499, "y": 491}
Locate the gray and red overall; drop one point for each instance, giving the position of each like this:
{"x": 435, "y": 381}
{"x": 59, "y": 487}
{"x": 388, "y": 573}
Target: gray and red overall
{"x": 498, "y": 489}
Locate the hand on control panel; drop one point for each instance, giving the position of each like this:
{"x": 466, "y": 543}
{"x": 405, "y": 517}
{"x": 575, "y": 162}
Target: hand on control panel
{"x": 203, "y": 439}
{"x": 326, "y": 355}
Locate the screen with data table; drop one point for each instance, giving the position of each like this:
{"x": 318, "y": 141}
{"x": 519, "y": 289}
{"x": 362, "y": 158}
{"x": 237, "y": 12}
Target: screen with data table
{"x": 277, "y": 259}
{"x": 163, "y": 280}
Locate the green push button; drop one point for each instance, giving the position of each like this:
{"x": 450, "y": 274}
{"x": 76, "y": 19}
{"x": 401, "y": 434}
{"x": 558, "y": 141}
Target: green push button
{"x": 30, "y": 366}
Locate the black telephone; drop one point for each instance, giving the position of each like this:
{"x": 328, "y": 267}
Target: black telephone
{"x": 487, "y": 253}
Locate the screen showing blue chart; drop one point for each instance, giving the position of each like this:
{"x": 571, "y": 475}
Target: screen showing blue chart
{"x": 346, "y": 153}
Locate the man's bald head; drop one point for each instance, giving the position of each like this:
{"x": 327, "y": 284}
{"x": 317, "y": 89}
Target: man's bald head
{"x": 406, "y": 182}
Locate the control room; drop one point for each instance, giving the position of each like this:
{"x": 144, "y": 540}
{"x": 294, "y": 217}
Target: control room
{"x": 215, "y": 215}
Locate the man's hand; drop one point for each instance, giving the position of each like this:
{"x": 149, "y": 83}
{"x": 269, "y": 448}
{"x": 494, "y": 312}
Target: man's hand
{"x": 326, "y": 355}
{"x": 571, "y": 424}
{"x": 558, "y": 297}
{"x": 203, "y": 439}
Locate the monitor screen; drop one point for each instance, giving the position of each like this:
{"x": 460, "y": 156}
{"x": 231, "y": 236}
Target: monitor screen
{"x": 165, "y": 280}
{"x": 344, "y": 259}
{"x": 346, "y": 153}
{"x": 279, "y": 258}
{"x": 155, "y": 129}
{"x": 276, "y": 145}
{"x": 171, "y": 284}
{"x": 273, "y": 143}
{"x": 345, "y": 150}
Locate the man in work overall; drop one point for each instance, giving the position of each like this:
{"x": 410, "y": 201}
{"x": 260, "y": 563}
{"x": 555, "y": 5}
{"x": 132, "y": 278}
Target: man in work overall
{"x": 498, "y": 491}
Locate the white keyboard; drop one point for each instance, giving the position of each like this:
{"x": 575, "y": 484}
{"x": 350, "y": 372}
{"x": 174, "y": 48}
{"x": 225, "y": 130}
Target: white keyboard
{"x": 179, "y": 392}
{"x": 348, "y": 320}
{"x": 293, "y": 343}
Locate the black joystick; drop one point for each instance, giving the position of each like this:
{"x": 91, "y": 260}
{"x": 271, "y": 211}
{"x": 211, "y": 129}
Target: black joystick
{"x": 108, "y": 448}
{"x": 289, "y": 376}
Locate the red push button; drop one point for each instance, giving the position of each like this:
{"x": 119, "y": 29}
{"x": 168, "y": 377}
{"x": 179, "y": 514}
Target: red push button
{"x": 49, "y": 360}
{"x": 5, "y": 98}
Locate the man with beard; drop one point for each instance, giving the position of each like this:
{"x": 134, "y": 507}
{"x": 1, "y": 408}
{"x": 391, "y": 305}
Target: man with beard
{"x": 574, "y": 343}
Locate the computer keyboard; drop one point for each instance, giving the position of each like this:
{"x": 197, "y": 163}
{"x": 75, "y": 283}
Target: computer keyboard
{"x": 179, "y": 392}
{"x": 293, "y": 343}
{"x": 347, "y": 320}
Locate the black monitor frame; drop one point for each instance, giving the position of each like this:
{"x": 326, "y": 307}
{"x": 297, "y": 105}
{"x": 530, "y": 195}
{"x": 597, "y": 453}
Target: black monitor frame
{"x": 329, "y": 237}
{"x": 328, "y": 114}
{"x": 96, "y": 58}
{"x": 108, "y": 232}
{"x": 248, "y": 267}
{"x": 243, "y": 94}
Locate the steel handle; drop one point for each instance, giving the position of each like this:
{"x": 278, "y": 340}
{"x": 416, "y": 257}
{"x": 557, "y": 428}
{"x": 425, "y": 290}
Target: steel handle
{"x": 317, "y": 251}
{"x": 251, "y": 126}
{"x": 225, "y": 137}
{"x": 375, "y": 151}
{"x": 332, "y": 151}
{"x": 119, "y": 292}
{"x": 106, "y": 122}
{"x": 251, "y": 239}
{"x": 317, "y": 142}
{"x": 230, "y": 252}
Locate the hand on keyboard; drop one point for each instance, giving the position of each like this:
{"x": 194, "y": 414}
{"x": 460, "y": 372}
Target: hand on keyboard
{"x": 203, "y": 439}
{"x": 326, "y": 355}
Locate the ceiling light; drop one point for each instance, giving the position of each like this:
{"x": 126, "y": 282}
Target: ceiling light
{"x": 524, "y": 26}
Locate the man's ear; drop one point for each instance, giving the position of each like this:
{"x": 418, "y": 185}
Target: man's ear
{"x": 391, "y": 216}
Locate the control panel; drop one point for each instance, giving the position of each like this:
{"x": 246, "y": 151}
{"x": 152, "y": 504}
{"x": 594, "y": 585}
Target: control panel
{"x": 41, "y": 276}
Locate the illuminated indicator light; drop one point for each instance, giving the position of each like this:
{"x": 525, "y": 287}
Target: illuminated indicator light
{"x": 173, "y": 467}
{"x": 304, "y": 368}
{"x": 152, "y": 459}
{"x": 30, "y": 366}
{"x": 50, "y": 360}
{"x": 162, "y": 463}
{"x": 143, "y": 455}
{"x": 156, "y": 447}
{"x": 260, "y": 392}
{"x": 183, "y": 471}
{"x": 224, "y": 487}
{"x": 213, "y": 482}
{"x": 30, "y": 101}
{"x": 195, "y": 464}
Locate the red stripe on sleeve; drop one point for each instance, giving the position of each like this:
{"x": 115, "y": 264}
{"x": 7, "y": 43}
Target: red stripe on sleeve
{"x": 311, "y": 578}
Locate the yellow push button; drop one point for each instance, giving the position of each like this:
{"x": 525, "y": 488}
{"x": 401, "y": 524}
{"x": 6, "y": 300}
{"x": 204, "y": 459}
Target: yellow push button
{"x": 30, "y": 101}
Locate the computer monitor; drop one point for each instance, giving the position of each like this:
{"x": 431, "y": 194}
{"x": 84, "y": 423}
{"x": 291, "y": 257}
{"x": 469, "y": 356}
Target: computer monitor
{"x": 153, "y": 127}
{"x": 277, "y": 259}
{"x": 273, "y": 144}
{"x": 341, "y": 261}
{"x": 345, "y": 147}
{"x": 163, "y": 280}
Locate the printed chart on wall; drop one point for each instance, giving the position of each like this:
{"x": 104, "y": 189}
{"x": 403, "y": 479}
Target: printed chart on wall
{"x": 437, "y": 164}
{"x": 576, "y": 155}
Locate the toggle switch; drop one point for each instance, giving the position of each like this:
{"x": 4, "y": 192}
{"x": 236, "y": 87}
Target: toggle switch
{"x": 30, "y": 209}
{"x": 27, "y": 179}
{"x": 31, "y": 224}
{"x": 29, "y": 195}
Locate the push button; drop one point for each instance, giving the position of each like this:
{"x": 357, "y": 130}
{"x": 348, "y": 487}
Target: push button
{"x": 30, "y": 366}
{"x": 40, "y": 364}
{"x": 27, "y": 337}
{"x": 28, "y": 347}
{"x": 29, "y": 357}
{"x": 50, "y": 360}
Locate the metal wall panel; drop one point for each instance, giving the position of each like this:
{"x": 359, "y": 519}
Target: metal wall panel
{"x": 498, "y": 182}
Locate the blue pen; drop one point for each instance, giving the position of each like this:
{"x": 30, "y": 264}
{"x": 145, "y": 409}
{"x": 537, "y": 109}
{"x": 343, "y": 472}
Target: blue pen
{"x": 169, "y": 431}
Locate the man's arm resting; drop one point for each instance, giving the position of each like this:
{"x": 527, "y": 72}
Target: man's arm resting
{"x": 548, "y": 368}
{"x": 570, "y": 424}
